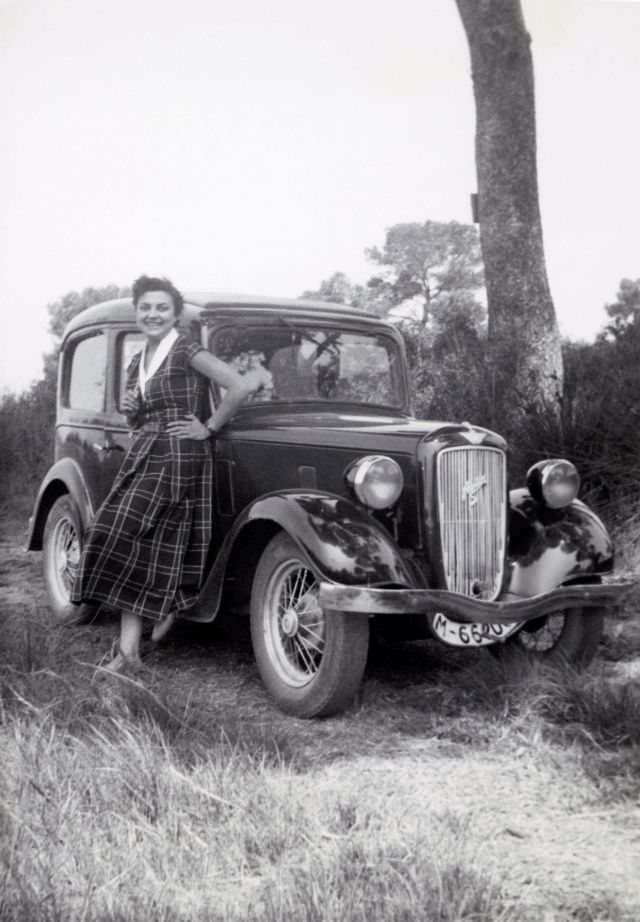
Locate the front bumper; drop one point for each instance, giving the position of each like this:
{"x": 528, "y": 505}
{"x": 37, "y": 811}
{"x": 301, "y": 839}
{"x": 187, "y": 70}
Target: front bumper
{"x": 467, "y": 609}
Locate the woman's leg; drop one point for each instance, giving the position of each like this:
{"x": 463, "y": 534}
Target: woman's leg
{"x": 130, "y": 634}
{"x": 162, "y": 628}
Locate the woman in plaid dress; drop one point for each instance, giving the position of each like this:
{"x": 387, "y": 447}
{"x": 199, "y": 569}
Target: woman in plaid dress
{"x": 146, "y": 548}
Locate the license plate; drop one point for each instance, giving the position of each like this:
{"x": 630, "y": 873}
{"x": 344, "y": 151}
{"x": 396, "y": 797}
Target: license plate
{"x": 471, "y": 635}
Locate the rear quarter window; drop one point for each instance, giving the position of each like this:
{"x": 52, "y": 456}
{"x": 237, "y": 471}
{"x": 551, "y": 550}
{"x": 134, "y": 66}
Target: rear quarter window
{"x": 86, "y": 374}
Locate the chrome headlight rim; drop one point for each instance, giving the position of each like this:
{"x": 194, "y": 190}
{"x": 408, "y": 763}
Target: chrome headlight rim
{"x": 554, "y": 482}
{"x": 362, "y": 475}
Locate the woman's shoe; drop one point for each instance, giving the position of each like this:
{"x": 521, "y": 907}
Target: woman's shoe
{"x": 162, "y": 628}
{"x": 121, "y": 664}
{"x": 76, "y": 614}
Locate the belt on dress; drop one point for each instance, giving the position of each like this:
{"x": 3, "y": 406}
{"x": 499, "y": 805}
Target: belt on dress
{"x": 152, "y": 427}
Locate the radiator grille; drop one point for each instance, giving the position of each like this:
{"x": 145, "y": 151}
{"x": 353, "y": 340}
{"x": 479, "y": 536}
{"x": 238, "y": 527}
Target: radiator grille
{"x": 471, "y": 488}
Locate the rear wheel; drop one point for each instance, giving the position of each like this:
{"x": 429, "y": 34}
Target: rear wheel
{"x": 310, "y": 660}
{"x": 570, "y": 636}
{"x": 62, "y": 546}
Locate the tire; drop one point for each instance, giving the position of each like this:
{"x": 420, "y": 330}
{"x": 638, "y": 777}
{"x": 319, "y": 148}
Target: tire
{"x": 570, "y": 636}
{"x": 62, "y": 545}
{"x": 310, "y": 661}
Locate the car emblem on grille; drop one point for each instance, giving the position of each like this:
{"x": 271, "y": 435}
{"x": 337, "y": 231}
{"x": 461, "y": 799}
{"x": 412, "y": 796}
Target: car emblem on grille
{"x": 472, "y": 435}
{"x": 472, "y": 488}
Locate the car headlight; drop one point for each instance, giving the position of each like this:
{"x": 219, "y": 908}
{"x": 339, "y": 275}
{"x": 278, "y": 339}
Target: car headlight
{"x": 555, "y": 482}
{"x": 376, "y": 480}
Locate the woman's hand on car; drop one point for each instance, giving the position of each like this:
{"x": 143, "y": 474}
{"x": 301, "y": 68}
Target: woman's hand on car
{"x": 260, "y": 380}
{"x": 189, "y": 428}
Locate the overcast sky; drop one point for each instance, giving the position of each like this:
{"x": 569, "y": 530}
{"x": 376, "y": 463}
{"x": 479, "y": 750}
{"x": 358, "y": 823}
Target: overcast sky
{"x": 258, "y": 146}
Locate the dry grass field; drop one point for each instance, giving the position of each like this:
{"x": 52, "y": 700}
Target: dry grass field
{"x": 456, "y": 788}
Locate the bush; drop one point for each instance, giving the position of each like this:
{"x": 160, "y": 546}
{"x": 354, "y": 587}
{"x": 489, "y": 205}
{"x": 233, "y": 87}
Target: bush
{"x": 595, "y": 422}
{"x": 449, "y": 372}
{"x": 27, "y": 427}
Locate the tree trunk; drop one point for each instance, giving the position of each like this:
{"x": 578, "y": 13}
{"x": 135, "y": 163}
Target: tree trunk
{"x": 523, "y": 332}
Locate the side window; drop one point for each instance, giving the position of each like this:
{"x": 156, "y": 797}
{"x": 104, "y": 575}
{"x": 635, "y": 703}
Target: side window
{"x": 128, "y": 345}
{"x": 87, "y": 374}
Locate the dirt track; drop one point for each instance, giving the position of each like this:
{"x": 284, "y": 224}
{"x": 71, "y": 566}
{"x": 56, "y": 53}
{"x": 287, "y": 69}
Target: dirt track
{"x": 545, "y": 828}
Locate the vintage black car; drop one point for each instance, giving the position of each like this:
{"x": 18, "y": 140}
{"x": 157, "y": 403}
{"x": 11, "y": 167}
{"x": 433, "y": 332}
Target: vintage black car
{"x": 334, "y": 506}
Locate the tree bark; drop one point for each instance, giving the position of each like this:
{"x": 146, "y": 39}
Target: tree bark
{"x": 523, "y": 331}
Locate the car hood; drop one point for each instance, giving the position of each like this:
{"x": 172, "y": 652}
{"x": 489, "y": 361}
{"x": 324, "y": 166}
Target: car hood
{"x": 354, "y": 429}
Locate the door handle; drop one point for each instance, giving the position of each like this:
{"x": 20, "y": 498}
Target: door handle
{"x": 107, "y": 446}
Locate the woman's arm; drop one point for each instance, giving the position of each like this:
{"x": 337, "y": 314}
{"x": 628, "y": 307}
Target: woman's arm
{"x": 238, "y": 388}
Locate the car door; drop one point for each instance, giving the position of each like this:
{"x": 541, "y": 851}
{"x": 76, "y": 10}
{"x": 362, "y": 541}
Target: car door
{"x": 82, "y": 412}
{"x": 124, "y": 343}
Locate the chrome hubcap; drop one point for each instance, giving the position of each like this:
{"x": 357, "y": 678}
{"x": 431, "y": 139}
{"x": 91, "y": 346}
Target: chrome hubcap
{"x": 289, "y": 623}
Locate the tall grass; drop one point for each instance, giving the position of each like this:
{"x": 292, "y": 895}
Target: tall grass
{"x": 117, "y": 803}
{"x": 115, "y": 822}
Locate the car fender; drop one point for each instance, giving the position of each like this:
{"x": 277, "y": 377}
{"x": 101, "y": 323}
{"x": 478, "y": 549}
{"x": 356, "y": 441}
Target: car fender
{"x": 550, "y": 547}
{"x": 65, "y": 477}
{"x": 341, "y": 542}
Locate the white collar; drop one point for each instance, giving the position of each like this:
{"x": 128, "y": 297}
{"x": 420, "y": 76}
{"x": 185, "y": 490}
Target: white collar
{"x": 157, "y": 358}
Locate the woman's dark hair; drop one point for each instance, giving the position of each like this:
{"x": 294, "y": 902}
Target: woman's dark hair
{"x": 147, "y": 283}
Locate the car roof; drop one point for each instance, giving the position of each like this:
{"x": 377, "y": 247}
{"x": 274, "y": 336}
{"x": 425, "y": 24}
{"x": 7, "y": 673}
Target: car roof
{"x": 120, "y": 310}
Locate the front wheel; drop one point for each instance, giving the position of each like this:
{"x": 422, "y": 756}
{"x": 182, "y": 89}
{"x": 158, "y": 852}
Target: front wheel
{"x": 570, "y": 636}
{"x": 310, "y": 660}
{"x": 62, "y": 545}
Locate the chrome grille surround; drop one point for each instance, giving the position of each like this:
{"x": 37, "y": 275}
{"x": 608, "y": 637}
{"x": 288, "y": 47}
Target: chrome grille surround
{"x": 472, "y": 498}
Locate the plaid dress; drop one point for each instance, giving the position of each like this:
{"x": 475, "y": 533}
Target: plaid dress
{"x": 146, "y": 548}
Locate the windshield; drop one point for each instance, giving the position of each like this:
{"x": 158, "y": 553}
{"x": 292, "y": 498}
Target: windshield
{"x": 315, "y": 363}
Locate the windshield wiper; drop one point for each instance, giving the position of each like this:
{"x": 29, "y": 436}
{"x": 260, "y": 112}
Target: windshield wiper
{"x": 330, "y": 342}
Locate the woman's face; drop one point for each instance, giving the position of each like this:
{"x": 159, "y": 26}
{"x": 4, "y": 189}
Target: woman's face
{"x": 155, "y": 314}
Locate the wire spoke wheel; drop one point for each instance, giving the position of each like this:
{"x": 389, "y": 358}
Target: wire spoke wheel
{"x": 295, "y": 627}
{"x": 570, "y": 636}
{"x": 66, "y": 554}
{"x": 62, "y": 546}
{"x": 310, "y": 660}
